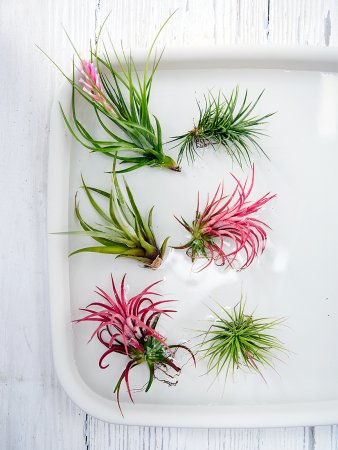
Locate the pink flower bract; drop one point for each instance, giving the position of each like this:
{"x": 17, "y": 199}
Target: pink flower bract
{"x": 91, "y": 83}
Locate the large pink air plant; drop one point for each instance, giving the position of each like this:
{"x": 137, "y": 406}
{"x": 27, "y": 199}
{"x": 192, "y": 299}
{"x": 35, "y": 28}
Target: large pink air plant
{"x": 130, "y": 318}
{"x": 127, "y": 327}
{"x": 228, "y": 228}
{"x": 92, "y": 85}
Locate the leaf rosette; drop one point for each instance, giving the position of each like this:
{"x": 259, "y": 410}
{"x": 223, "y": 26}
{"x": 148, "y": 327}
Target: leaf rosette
{"x": 128, "y": 327}
{"x": 223, "y": 122}
{"x": 124, "y": 232}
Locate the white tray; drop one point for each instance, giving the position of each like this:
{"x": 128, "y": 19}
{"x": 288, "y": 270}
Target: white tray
{"x": 295, "y": 277}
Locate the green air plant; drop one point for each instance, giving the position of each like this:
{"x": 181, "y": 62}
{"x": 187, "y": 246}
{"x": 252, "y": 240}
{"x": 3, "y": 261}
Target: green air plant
{"x": 124, "y": 233}
{"x": 119, "y": 97}
{"x": 237, "y": 340}
{"x": 229, "y": 123}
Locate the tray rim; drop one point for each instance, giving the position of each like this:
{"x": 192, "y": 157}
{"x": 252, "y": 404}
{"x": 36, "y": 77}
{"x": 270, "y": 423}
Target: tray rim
{"x": 212, "y": 416}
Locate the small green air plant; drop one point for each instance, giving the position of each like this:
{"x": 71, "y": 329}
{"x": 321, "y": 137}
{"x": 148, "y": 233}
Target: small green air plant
{"x": 119, "y": 97}
{"x": 237, "y": 340}
{"x": 224, "y": 122}
{"x": 125, "y": 233}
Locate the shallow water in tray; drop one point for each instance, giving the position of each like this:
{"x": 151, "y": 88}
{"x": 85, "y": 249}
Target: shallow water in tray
{"x": 296, "y": 276}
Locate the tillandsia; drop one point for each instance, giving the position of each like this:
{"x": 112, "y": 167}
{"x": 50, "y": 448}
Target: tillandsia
{"x": 230, "y": 123}
{"x": 226, "y": 230}
{"x": 125, "y": 232}
{"x": 128, "y": 327}
{"x": 239, "y": 340}
{"x": 119, "y": 97}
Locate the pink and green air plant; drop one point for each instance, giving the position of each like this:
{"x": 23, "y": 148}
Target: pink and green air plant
{"x": 227, "y": 227}
{"x": 118, "y": 96}
{"x": 128, "y": 327}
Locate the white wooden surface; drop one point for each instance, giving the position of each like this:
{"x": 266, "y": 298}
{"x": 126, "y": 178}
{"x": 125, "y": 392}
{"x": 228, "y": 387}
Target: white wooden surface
{"x": 34, "y": 411}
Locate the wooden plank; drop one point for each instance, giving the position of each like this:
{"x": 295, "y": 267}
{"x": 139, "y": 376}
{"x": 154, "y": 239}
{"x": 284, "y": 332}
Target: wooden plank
{"x": 241, "y": 22}
{"x": 35, "y": 412}
{"x": 196, "y": 22}
{"x": 102, "y": 436}
{"x": 325, "y": 438}
{"x": 301, "y": 22}
{"x": 242, "y": 439}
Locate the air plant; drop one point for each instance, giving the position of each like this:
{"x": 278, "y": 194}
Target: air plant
{"x": 227, "y": 228}
{"x": 119, "y": 97}
{"x": 128, "y": 327}
{"x": 222, "y": 122}
{"x": 124, "y": 233}
{"x": 237, "y": 340}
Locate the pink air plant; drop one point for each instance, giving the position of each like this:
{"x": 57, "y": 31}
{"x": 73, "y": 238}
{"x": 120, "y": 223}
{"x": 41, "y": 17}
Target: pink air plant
{"x": 92, "y": 85}
{"x": 228, "y": 220}
{"x": 128, "y": 327}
